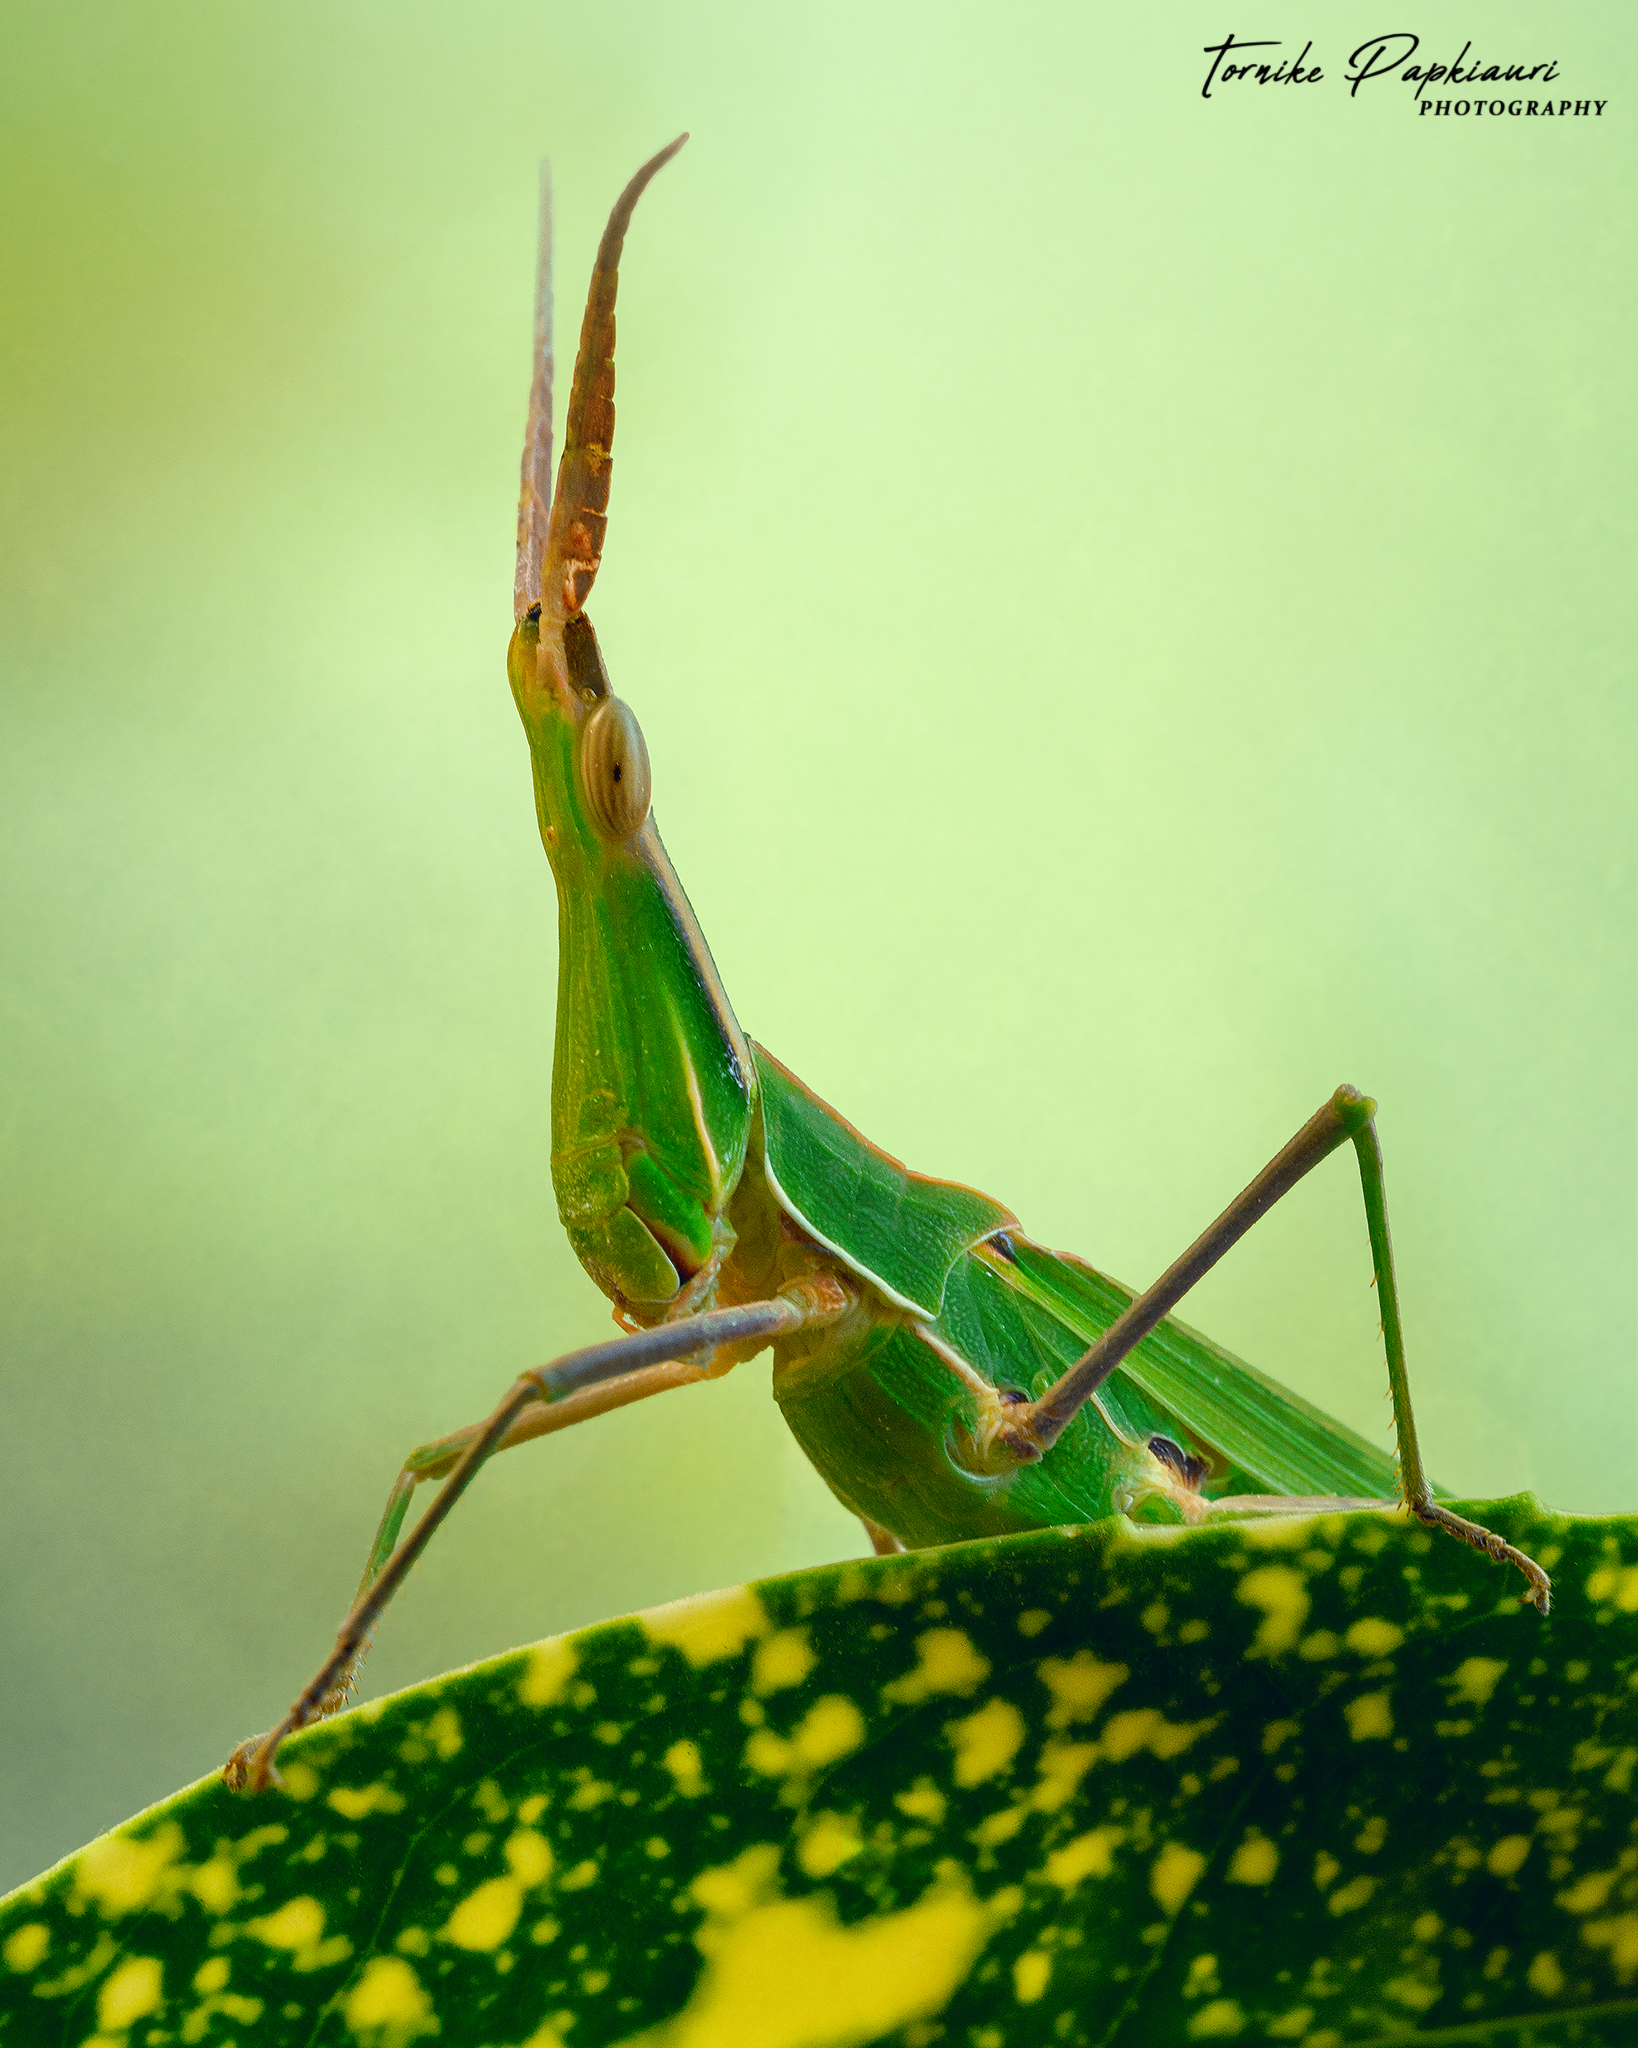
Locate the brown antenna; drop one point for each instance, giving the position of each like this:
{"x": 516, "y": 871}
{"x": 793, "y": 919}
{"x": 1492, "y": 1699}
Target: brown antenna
{"x": 574, "y": 542}
{"x": 535, "y": 498}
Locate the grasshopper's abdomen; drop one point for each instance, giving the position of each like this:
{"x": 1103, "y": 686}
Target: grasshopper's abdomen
{"x": 895, "y": 1414}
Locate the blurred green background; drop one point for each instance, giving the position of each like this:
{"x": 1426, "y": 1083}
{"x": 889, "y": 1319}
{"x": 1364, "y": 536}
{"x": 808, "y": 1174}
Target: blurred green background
{"x": 1128, "y": 598}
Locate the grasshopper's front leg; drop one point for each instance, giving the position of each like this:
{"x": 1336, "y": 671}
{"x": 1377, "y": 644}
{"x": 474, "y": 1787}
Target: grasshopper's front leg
{"x": 583, "y": 1384}
{"x": 1029, "y": 1430}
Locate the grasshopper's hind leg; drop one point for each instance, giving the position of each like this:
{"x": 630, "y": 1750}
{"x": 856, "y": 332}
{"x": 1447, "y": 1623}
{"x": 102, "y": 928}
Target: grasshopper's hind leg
{"x": 1349, "y": 1116}
{"x": 583, "y": 1384}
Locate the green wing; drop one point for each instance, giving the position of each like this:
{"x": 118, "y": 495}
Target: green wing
{"x": 897, "y": 1229}
{"x": 1261, "y": 1437}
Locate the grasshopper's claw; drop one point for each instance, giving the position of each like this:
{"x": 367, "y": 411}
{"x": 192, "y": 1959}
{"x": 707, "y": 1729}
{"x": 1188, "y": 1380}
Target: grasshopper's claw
{"x": 251, "y": 1767}
{"x": 1540, "y": 1589}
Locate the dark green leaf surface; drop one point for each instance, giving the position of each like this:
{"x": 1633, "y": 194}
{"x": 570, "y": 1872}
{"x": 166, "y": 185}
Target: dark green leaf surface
{"x": 1320, "y": 1781}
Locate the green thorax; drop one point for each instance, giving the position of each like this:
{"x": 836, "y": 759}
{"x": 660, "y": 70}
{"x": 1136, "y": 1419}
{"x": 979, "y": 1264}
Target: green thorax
{"x": 899, "y": 1230}
{"x": 652, "y": 1084}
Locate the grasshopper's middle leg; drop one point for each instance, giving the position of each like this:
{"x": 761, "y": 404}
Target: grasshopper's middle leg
{"x": 1032, "y": 1429}
{"x": 586, "y": 1383}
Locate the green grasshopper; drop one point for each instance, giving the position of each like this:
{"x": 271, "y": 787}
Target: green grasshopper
{"x": 948, "y": 1377}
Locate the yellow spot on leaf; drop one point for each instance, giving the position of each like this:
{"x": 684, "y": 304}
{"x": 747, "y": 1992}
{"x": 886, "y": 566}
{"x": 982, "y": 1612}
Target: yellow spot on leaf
{"x": 1373, "y": 1638}
{"x": 129, "y": 1994}
{"x": 583, "y": 1874}
{"x": 945, "y": 1662}
{"x": 297, "y": 1924}
{"x": 985, "y": 1743}
{"x": 999, "y": 1827}
{"x": 215, "y": 1884}
{"x": 1254, "y": 1862}
{"x": 682, "y": 1760}
{"x": 730, "y": 1891}
{"x": 353, "y": 1802}
{"x": 1508, "y": 1855}
{"x": 783, "y": 1660}
{"x": 827, "y": 1843}
{"x": 1414, "y": 1992}
{"x": 707, "y": 1627}
{"x": 1282, "y": 1594}
{"x": 1033, "y": 1620}
{"x": 1427, "y": 1926}
{"x": 25, "y": 1948}
{"x": 1145, "y": 1728}
{"x": 1291, "y": 2026}
{"x": 1348, "y": 1898}
{"x": 387, "y": 2007}
{"x": 786, "y": 1975}
{"x": 924, "y": 1801}
{"x": 1176, "y": 1873}
{"x": 546, "y": 1675}
{"x": 301, "y": 1781}
{"x": 1062, "y": 1767}
{"x": 530, "y": 1856}
{"x": 830, "y": 1729}
{"x": 1276, "y": 1733}
{"x": 443, "y": 1731}
{"x": 1030, "y": 1975}
{"x": 1090, "y": 1855}
{"x": 1590, "y": 1893}
{"x": 211, "y": 1976}
{"x": 1474, "y": 1680}
{"x": 1079, "y": 1685}
{"x": 491, "y": 1802}
{"x": 1369, "y": 1718}
{"x": 122, "y": 1875}
{"x": 484, "y": 1919}
{"x": 1620, "y": 1937}
{"x": 1611, "y": 1582}
{"x": 1219, "y": 2021}
{"x": 1372, "y": 1835}
{"x": 1545, "y": 1975}
{"x": 552, "y": 2033}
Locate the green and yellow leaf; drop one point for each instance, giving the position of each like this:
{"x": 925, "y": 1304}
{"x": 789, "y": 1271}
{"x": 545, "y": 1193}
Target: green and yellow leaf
{"x": 1315, "y": 1781}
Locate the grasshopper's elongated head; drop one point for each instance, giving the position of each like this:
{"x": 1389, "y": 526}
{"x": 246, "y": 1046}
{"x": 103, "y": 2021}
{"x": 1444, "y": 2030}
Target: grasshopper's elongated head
{"x": 652, "y": 1081}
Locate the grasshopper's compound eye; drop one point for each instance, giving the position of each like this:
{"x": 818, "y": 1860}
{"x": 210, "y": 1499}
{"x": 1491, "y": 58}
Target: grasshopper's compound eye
{"x": 614, "y": 770}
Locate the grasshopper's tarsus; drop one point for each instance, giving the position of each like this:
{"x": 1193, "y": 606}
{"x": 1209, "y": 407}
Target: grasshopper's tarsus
{"x": 1539, "y": 1590}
